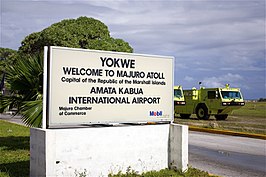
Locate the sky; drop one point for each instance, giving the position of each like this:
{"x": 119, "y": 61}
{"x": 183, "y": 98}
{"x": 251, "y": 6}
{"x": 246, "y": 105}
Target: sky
{"x": 213, "y": 41}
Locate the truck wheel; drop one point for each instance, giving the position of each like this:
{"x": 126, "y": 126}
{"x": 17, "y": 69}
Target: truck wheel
{"x": 202, "y": 112}
{"x": 185, "y": 116}
{"x": 221, "y": 117}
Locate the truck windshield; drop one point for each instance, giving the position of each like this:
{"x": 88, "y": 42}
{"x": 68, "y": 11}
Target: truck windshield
{"x": 231, "y": 95}
{"x": 178, "y": 93}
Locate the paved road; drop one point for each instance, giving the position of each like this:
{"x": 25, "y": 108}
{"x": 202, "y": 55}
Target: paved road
{"x": 11, "y": 118}
{"x": 227, "y": 155}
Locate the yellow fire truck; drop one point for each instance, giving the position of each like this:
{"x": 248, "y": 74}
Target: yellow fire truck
{"x": 205, "y": 102}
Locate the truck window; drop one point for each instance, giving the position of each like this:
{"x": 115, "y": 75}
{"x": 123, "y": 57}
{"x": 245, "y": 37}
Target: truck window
{"x": 211, "y": 94}
{"x": 231, "y": 95}
{"x": 177, "y": 93}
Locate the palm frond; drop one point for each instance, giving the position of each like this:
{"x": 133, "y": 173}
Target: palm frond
{"x": 32, "y": 113}
{"x": 25, "y": 78}
{"x": 10, "y": 102}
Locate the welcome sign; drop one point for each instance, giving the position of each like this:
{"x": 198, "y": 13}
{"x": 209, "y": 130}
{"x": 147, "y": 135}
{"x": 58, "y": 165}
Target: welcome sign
{"x": 97, "y": 87}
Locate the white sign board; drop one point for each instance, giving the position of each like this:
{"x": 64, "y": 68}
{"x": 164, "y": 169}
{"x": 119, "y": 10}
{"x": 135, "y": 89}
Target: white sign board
{"x": 96, "y": 87}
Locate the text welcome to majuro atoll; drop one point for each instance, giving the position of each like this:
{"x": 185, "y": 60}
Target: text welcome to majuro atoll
{"x": 117, "y": 81}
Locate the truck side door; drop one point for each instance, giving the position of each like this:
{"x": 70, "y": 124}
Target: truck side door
{"x": 213, "y": 101}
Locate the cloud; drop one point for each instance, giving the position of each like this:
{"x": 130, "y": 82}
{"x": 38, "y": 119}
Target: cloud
{"x": 222, "y": 80}
{"x": 207, "y": 38}
{"x": 188, "y": 78}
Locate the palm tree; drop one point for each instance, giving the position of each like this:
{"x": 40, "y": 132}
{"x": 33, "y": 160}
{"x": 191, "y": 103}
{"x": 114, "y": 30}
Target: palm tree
{"x": 25, "y": 79}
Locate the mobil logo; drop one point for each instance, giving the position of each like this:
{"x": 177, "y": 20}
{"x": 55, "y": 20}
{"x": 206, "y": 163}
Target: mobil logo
{"x": 156, "y": 113}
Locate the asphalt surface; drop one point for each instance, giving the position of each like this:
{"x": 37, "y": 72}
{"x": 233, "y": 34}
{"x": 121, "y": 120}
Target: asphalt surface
{"x": 225, "y": 155}
{"x": 11, "y": 118}
{"x": 222, "y": 155}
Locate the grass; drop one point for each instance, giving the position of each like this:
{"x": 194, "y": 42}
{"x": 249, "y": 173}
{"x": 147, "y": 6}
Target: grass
{"x": 191, "y": 172}
{"x": 250, "y": 118}
{"x": 252, "y": 109}
{"x": 14, "y": 150}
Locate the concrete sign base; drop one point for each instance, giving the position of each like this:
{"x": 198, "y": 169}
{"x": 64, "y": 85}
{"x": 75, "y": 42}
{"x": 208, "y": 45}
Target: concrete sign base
{"x": 99, "y": 151}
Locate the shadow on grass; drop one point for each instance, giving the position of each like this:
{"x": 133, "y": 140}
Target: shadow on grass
{"x": 16, "y": 168}
{"x": 15, "y": 142}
